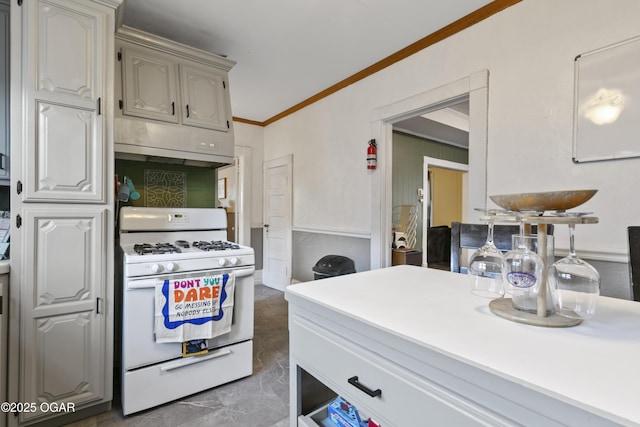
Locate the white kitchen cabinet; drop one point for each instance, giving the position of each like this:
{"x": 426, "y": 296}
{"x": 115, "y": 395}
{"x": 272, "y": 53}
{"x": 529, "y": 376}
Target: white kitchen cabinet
{"x": 65, "y": 337}
{"x": 62, "y": 166}
{"x": 149, "y": 85}
{"x": 173, "y": 100}
{"x": 412, "y": 346}
{"x": 4, "y": 339}
{"x": 4, "y": 91}
{"x": 65, "y": 86}
{"x": 156, "y": 86}
{"x": 204, "y": 98}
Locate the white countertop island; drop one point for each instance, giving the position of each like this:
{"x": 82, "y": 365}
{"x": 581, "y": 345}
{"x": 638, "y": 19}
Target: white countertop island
{"x": 427, "y": 329}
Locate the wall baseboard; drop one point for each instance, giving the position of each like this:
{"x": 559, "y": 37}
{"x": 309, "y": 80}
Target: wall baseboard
{"x": 596, "y": 255}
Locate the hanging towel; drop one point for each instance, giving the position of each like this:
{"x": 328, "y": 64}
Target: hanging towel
{"x": 194, "y": 308}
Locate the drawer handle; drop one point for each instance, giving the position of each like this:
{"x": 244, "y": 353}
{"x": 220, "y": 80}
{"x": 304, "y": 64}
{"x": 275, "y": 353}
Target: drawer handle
{"x": 182, "y": 363}
{"x": 373, "y": 393}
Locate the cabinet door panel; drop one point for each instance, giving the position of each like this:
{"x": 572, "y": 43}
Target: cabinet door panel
{"x": 4, "y": 318}
{"x": 149, "y": 86}
{"x": 75, "y": 70}
{"x": 4, "y": 92}
{"x": 203, "y": 98}
{"x": 64, "y": 340}
{"x": 64, "y": 81}
{"x": 67, "y": 159}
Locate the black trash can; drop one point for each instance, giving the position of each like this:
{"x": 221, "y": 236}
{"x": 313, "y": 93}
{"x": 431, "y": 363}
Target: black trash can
{"x": 333, "y": 265}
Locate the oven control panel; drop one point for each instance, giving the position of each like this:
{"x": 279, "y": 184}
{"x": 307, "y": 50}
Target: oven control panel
{"x": 178, "y": 217}
{"x": 177, "y": 265}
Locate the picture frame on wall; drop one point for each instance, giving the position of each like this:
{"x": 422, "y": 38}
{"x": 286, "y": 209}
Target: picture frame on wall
{"x": 222, "y": 188}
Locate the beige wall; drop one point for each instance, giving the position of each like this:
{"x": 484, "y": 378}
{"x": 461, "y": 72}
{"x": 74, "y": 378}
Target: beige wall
{"x": 447, "y": 196}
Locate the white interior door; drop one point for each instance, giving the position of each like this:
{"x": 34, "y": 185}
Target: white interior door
{"x": 276, "y": 271}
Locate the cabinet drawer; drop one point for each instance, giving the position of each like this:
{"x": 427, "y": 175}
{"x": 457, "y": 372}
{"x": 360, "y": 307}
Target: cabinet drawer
{"x": 318, "y": 418}
{"x": 404, "y": 398}
{"x": 157, "y": 384}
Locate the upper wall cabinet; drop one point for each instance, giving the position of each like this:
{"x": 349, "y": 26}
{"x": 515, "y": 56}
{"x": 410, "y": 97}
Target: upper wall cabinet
{"x": 203, "y": 98}
{"x": 173, "y": 99}
{"x": 156, "y": 87}
{"x": 149, "y": 85}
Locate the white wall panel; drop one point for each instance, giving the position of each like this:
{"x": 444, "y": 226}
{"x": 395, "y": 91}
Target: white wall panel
{"x": 529, "y": 51}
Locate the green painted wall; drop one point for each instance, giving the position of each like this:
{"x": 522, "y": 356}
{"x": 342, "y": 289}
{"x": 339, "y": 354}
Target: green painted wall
{"x": 408, "y": 153}
{"x": 199, "y": 186}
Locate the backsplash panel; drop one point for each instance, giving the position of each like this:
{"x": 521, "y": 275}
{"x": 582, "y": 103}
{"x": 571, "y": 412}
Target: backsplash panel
{"x": 165, "y": 188}
{"x": 166, "y": 184}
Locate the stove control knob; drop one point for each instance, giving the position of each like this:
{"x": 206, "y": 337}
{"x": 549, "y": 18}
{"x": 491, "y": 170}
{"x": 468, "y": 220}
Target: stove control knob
{"x": 233, "y": 261}
{"x": 156, "y": 268}
{"x": 172, "y": 266}
{"x": 222, "y": 262}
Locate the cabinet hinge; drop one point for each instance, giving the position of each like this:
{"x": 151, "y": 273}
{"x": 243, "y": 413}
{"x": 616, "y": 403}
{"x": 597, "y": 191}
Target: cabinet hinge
{"x": 228, "y": 126}
{"x": 18, "y": 221}
{"x": 119, "y": 56}
{"x": 120, "y": 104}
{"x": 19, "y": 187}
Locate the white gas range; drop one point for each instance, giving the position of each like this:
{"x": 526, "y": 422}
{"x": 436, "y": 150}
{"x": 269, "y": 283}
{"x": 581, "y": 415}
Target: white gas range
{"x": 160, "y": 244}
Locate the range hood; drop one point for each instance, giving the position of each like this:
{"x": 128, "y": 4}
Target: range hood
{"x": 156, "y": 81}
{"x": 148, "y": 140}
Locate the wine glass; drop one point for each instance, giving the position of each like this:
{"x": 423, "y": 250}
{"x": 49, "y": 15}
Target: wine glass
{"x": 522, "y": 271}
{"x": 485, "y": 269}
{"x": 575, "y": 284}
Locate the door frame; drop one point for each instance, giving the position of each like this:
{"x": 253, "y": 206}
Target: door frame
{"x": 243, "y": 212}
{"x": 476, "y": 87}
{"x": 428, "y": 162}
{"x": 288, "y": 258}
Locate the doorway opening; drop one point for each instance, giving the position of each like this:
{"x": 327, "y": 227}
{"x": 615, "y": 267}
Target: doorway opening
{"x": 444, "y": 201}
{"x": 473, "y": 88}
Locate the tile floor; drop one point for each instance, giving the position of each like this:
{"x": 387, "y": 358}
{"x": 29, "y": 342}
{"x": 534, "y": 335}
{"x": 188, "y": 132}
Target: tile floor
{"x": 259, "y": 400}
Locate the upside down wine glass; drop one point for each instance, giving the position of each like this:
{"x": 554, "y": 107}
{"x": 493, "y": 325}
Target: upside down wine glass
{"x": 485, "y": 269}
{"x": 575, "y": 284}
{"x": 523, "y": 269}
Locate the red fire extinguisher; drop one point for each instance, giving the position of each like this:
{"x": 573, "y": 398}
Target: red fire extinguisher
{"x": 372, "y": 157}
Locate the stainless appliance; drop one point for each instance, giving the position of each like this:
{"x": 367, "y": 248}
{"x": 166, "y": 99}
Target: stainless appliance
{"x": 173, "y": 243}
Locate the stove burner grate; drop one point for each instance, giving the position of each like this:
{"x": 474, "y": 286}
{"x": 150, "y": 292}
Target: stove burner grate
{"x": 216, "y": 245}
{"x": 158, "y": 248}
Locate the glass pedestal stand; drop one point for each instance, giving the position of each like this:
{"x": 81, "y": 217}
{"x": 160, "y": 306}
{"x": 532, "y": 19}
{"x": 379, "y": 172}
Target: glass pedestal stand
{"x": 503, "y": 307}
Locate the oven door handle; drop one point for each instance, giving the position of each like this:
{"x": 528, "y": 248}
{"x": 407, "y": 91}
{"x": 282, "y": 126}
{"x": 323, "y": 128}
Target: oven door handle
{"x": 197, "y": 359}
{"x": 243, "y": 272}
{"x": 151, "y": 283}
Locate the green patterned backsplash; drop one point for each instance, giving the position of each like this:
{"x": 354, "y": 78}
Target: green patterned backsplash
{"x": 169, "y": 185}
